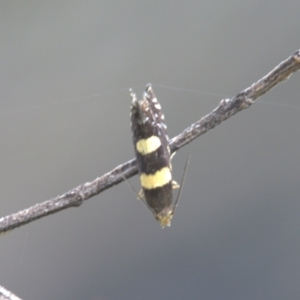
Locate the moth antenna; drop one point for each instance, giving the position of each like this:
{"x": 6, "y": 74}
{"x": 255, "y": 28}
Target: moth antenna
{"x": 131, "y": 186}
{"x": 136, "y": 193}
{"x": 181, "y": 183}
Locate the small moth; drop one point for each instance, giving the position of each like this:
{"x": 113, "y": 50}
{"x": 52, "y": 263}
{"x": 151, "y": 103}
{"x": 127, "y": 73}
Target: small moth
{"x": 151, "y": 145}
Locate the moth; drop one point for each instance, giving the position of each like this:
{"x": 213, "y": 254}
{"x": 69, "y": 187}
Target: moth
{"x": 151, "y": 145}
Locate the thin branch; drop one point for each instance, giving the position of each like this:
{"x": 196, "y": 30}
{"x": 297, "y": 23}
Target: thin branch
{"x": 226, "y": 109}
{"x": 7, "y": 295}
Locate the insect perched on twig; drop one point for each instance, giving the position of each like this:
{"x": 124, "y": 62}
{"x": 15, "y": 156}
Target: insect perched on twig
{"x": 151, "y": 144}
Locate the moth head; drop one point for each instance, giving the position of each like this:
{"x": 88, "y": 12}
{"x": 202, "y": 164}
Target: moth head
{"x": 165, "y": 217}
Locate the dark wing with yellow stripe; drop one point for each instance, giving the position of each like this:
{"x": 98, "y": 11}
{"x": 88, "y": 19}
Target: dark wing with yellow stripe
{"x": 151, "y": 141}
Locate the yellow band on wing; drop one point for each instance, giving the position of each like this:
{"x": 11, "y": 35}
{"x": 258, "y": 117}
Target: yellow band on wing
{"x": 158, "y": 179}
{"x": 147, "y": 146}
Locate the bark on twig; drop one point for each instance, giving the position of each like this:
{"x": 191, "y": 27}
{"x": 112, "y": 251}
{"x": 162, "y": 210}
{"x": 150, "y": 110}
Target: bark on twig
{"x": 7, "y": 295}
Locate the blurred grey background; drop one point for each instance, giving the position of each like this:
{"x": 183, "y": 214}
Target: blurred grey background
{"x": 66, "y": 67}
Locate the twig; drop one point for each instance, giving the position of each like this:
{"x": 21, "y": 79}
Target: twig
{"x": 7, "y": 295}
{"x": 226, "y": 109}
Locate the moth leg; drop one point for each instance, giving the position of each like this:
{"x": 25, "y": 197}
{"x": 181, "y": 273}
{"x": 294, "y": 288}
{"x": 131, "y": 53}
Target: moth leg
{"x": 175, "y": 185}
{"x": 172, "y": 155}
{"x": 141, "y": 195}
{"x": 170, "y": 165}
